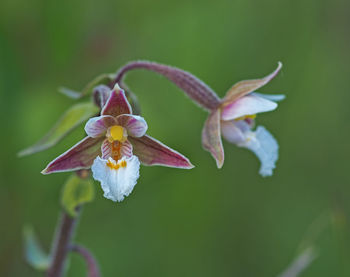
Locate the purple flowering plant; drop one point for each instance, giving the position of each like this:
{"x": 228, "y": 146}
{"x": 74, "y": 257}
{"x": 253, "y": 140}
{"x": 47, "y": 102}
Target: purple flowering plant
{"x": 116, "y": 144}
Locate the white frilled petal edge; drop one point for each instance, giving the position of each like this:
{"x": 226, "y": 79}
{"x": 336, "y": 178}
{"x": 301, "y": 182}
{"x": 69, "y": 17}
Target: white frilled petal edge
{"x": 265, "y": 147}
{"x": 260, "y": 142}
{"x": 117, "y": 182}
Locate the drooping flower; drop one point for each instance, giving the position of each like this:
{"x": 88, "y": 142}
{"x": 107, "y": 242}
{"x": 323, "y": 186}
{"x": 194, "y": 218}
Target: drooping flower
{"x": 234, "y": 119}
{"x": 115, "y": 146}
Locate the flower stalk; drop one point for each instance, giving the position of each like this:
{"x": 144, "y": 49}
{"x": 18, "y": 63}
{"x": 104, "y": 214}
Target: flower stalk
{"x": 61, "y": 245}
{"x": 196, "y": 89}
{"x": 93, "y": 270}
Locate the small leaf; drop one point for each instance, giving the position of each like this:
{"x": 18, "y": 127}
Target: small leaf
{"x": 300, "y": 263}
{"x": 103, "y": 79}
{"x": 77, "y": 191}
{"x": 34, "y": 254}
{"x": 71, "y": 119}
{"x": 69, "y": 92}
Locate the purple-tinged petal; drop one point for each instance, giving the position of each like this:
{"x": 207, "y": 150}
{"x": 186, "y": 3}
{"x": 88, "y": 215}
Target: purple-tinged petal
{"x": 80, "y": 156}
{"x": 152, "y": 152}
{"x": 247, "y": 105}
{"x": 135, "y": 125}
{"x": 211, "y": 137}
{"x": 97, "y": 126}
{"x": 126, "y": 150}
{"x": 233, "y": 132}
{"x": 106, "y": 149}
{"x": 117, "y": 103}
{"x": 244, "y": 87}
{"x": 101, "y": 94}
{"x": 115, "y": 150}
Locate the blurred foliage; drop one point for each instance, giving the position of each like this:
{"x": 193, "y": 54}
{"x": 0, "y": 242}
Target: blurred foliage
{"x": 73, "y": 117}
{"x": 35, "y": 256}
{"x": 204, "y": 221}
{"x": 77, "y": 191}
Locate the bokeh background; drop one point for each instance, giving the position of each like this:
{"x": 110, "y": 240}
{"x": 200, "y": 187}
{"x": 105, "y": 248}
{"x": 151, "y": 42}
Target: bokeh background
{"x": 202, "y": 222}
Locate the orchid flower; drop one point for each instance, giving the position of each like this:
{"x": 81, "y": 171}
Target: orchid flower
{"x": 115, "y": 145}
{"x": 234, "y": 119}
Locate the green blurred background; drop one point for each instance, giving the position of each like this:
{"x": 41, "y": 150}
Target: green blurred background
{"x": 202, "y": 222}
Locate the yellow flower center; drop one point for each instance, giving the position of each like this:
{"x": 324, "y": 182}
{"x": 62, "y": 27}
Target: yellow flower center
{"x": 116, "y": 133}
{"x": 251, "y": 116}
{"x": 116, "y": 166}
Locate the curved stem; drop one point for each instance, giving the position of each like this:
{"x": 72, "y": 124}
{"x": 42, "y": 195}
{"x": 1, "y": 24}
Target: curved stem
{"x": 64, "y": 234}
{"x": 126, "y": 68}
{"x": 93, "y": 270}
{"x": 196, "y": 89}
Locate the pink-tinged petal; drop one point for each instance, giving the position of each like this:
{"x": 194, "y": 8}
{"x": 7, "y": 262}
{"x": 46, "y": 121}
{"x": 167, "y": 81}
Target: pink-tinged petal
{"x": 152, "y": 152}
{"x": 244, "y": 87}
{"x": 126, "y": 150}
{"x": 260, "y": 142}
{"x": 97, "y": 126}
{"x": 117, "y": 103}
{"x": 247, "y": 105}
{"x": 232, "y": 132}
{"x": 211, "y": 137}
{"x": 80, "y": 156}
{"x": 106, "y": 149}
{"x": 135, "y": 125}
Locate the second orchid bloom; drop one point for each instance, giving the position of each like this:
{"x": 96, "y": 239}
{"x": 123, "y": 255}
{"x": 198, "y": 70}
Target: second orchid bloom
{"x": 234, "y": 119}
{"x": 114, "y": 148}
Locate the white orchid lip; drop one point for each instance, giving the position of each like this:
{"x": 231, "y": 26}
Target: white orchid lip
{"x": 117, "y": 178}
{"x": 260, "y": 141}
